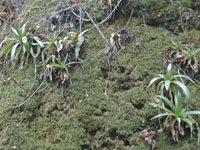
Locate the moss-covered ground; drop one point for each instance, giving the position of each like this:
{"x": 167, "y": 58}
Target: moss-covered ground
{"x": 88, "y": 119}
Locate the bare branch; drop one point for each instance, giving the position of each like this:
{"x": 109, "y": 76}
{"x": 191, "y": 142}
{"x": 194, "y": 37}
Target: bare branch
{"x": 97, "y": 27}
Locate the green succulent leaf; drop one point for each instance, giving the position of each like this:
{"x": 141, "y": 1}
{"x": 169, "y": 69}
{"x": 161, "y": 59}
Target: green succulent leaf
{"x": 167, "y": 84}
{"x": 173, "y": 42}
{"x": 2, "y": 42}
{"x": 13, "y": 52}
{"x": 57, "y": 66}
{"x": 24, "y": 29}
{"x": 183, "y": 76}
{"x": 161, "y": 107}
{"x": 16, "y": 31}
{"x": 26, "y": 48}
{"x": 160, "y": 86}
{"x": 37, "y": 39}
{"x": 59, "y": 60}
{"x": 178, "y": 103}
{"x": 162, "y": 89}
{"x": 197, "y": 51}
{"x": 179, "y": 123}
{"x": 162, "y": 115}
{"x": 184, "y": 89}
{"x": 189, "y": 122}
{"x": 66, "y": 58}
{"x": 162, "y": 76}
{"x": 7, "y": 48}
{"x": 192, "y": 113}
{"x": 167, "y": 101}
{"x": 169, "y": 68}
{"x": 154, "y": 80}
{"x": 76, "y": 52}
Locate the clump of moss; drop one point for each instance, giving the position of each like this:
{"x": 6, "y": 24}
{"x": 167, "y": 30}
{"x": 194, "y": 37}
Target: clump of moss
{"x": 86, "y": 119}
{"x": 176, "y": 15}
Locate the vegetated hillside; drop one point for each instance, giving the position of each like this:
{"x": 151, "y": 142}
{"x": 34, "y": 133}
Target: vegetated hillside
{"x": 107, "y": 105}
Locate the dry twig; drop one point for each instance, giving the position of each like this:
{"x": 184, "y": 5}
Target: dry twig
{"x": 97, "y": 27}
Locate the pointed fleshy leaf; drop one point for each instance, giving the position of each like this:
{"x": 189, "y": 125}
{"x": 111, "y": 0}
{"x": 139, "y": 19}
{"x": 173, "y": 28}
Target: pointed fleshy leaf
{"x": 179, "y": 123}
{"x": 7, "y": 48}
{"x": 75, "y": 62}
{"x": 13, "y": 52}
{"x": 183, "y": 76}
{"x": 25, "y": 45}
{"x": 162, "y": 89}
{"x": 76, "y": 52}
{"x": 24, "y": 39}
{"x": 66, "y": 58}
{"x": 167, "y": 84}
{"x": 16, "y": 32}
{"x": 56, "y": 66}
{"x": 153, "y": 80}
{"x": 184, "y": 89}
{"x": 159, "y": 86}
{"x": 24, "y": 29}
{"x": 41, "y": 44}
{"x": 175, "y": 99}
{"x": 59, "y": 60}
{"x": 173, "y": 42}
{"x": 165, "y": 99}
{"x": 161, "y": 75}
{"x": 61, "y": 63}
{"x": 169, "y": 68}
{"x": 192, "y": 113}
{"x": 190, "y": 125}
{"x": 3, "y": 42}
{"x": 161, "y": 115}
{"x": 161, "y": 107}
{"x": 180, "y": 103}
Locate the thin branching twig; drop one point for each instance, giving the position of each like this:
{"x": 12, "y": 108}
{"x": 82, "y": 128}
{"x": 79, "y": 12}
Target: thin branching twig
{"x": 97, "y": 27}
{"x": 109, "y": 16}
{"x": 27, "y": 98}
{"x": 6, "y": 72}
{"x": 129, "y": 18}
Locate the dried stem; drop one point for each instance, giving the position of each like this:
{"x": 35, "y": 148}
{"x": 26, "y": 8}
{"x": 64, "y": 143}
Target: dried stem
{"x": 97, "y": 27}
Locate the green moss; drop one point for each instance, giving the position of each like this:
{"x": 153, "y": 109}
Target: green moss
{"x": 176, "y": 15}
{"x": 86, "y": 119}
